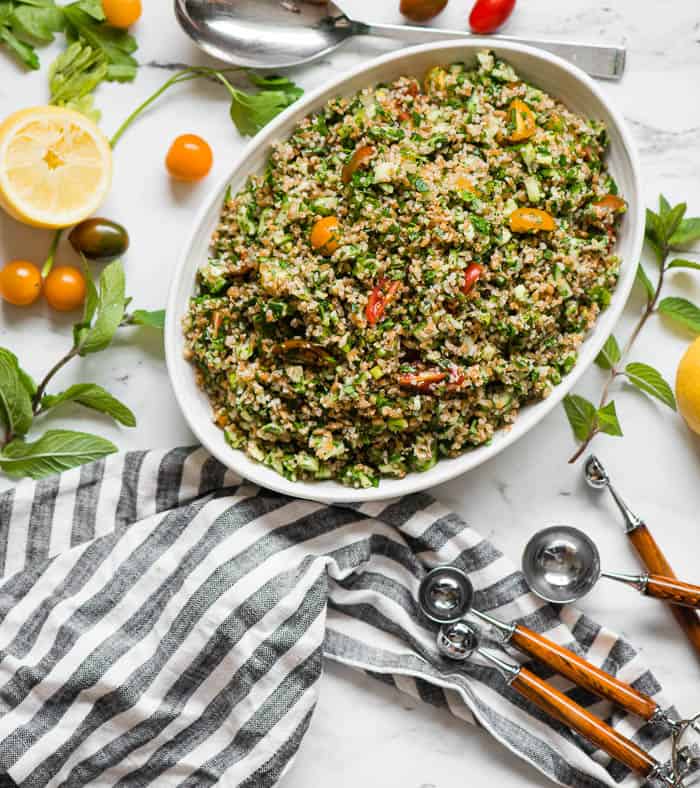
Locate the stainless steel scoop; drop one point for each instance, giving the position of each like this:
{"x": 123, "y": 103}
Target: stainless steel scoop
{"x": 459, "y": 641}
{"x": 266, "y": 34}
{"x": 561, "y": 564}
{"x": 446, "y": 596}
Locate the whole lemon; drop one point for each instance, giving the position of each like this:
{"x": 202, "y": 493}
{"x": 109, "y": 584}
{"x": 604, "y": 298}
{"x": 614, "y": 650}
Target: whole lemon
{"x": 688, "y": 386}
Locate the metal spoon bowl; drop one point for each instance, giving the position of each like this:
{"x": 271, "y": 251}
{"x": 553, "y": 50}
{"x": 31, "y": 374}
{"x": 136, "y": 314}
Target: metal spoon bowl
{"x": 265, "y": 34}
{"x": 445, "y": 595}
{"x": 561, "y": 564}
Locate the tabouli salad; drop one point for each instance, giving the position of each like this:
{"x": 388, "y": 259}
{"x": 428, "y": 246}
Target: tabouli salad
{"x": 417, "y": 262}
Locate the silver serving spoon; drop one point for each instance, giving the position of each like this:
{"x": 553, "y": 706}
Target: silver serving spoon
{"x": 562, "y": 564}
{"x": 265, "y": 34}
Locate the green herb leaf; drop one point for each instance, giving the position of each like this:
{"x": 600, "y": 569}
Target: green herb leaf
{"x": 679, "y": 263}
{"x": 143, "y": 317}
{"x": 38, "y": 22}
{"x": 92, "y": 396}
{"x": 54, "y": 452}
{"x": 581, "y": 414}
{"x": 645, "y": 282}
{"x": 664, "y": 205}
{"x": 688, "y": 232}
{"x": 609, "y": 355}
{"x": 92, "y": 8}
{"x": 671, "y": 220}
{"x": 74, "y": 75}
{"x": 650, "y": 381}
{"x": 251, "y": 111}
{"x": 117, "y": 46}
{"x": 653, "y": 226}
{"x": 682, "y": 311}
{"x": 608, "y": 421}
{"x": 15, "y": 399}
{"x": 24, "y": 52}
{"x": 108, "y": 312}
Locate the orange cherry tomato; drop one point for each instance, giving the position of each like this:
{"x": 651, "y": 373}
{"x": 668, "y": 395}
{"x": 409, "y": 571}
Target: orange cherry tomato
{"x": 359, "y": 158}
{"x": 20, "y": 283}
{"x": 324, "y": 235}
{"x": 611, "y": 202}
{"x": 65, "y": 288}
{"x": 463, "y": 184}
{"x": 190, "y": 158}
{"x": 121, "y": 13}
{"x": 531, "y": 220}
{"x": 380, "y": 298}
{"x": 471, "y": 275}
{"x": 523, "y": 119}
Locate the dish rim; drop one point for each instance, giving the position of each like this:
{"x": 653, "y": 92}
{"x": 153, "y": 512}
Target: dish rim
{"x": 332, "y": 491}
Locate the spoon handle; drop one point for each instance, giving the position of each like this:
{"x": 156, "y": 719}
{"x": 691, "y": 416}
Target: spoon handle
{"x": 674, "y": 591}
{"x": 598, "y": 60}
{"x": 562, "y": 708}
{"x": 655, "y": 561}
{"x": 583, "y": 673}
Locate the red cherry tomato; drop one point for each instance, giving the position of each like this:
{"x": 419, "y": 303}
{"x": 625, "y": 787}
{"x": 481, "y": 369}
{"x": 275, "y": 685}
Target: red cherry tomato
{"x": 471, "y": 274}
{"x": 488, "y": 15}
{"x": 380, "y": 298}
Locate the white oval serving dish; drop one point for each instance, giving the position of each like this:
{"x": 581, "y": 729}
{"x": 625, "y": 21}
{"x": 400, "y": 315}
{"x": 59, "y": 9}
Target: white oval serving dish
{"x": 558, "y": 78}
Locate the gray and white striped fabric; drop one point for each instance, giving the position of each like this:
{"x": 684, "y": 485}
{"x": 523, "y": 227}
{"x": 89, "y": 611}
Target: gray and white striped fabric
{"x": 163, "y": 622}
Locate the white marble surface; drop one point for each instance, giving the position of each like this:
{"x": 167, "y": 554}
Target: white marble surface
{"x": 363, "y": 733}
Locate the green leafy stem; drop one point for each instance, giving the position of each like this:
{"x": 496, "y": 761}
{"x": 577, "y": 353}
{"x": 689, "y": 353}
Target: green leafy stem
{"x": 665, "y": 232}
{"x": 22, "y": 401}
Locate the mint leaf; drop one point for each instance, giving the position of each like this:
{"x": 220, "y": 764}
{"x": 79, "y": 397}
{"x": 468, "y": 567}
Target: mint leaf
{"x": 90, "y": 307}
{"x": 143, "y": 317}
{"x": 15, "y": 400}
{"x": 671, "y": 220}
{"x": 650, "y": 381}
{"x": 679, "y": 263}
{"x": 108, "y": 311}
{"x": 92, "y": 8}
{"x": 609, "y": 355}
{"x": 664, "y": 205}
{"x": 682, "y": 311}
{"x": 73, "y": 77}
{"x": 645, "y": 282}
{"x": 54, "y": 452}
{"x": 607, "y": 420}
{"x": 92, "y": 396}
{"x": 688, "y": 232}
{"x": 581, "y": 414}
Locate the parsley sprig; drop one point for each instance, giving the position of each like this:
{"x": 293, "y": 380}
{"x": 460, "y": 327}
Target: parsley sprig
{"x": 666, "y": 232}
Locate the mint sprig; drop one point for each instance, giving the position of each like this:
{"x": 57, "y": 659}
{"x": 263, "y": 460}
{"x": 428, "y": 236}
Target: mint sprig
{"x": 22, "y": 401}
{"x": 666, "y": 231}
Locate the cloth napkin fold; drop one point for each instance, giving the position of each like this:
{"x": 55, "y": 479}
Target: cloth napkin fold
{"x": 164, "y": 622}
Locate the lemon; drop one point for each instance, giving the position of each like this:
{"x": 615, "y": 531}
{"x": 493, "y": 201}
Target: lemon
{"x": 55, "y": 166}
{"x": 688, "y": 386}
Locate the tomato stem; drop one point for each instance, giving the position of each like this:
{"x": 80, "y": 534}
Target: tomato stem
{"x": 48, "y": 263}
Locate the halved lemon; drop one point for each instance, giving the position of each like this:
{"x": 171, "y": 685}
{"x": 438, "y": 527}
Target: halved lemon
{"x": 55, "y": 166}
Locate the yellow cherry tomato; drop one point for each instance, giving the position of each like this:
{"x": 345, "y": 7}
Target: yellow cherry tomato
{"x": 65, "y": 288}
{"x": 20, "y": 283}
{"x": 324, "y": 235}
{"x": 524, "y": 122}
{"x": 531, "y": 220}
{"x": 122, "y": 13}
{"x": 190, "y": 158}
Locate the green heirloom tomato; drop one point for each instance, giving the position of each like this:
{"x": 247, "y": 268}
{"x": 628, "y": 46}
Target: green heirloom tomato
{"x": 99, "y": 239}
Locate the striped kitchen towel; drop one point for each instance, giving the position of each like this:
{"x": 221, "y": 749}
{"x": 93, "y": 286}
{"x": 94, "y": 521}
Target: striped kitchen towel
{"x": 164, "y": 622}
